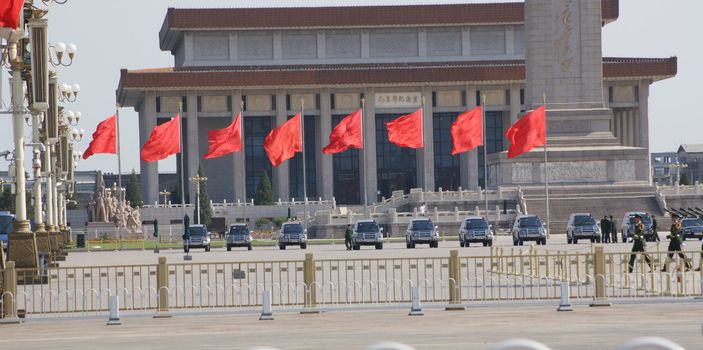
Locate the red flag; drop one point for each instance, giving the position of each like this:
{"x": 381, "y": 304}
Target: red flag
{"x": 10, "y": 13}
{"x": 347, "y": 134}
{"x": 527, "y": 133}
{"x": 284, "y": 141}
{"x": 163, "y": 141}
{"x": 104, "y": 138}
{"x": 406, "y": 131}
{"x": 467, "y": 131}
{"x": 225, "y": 141}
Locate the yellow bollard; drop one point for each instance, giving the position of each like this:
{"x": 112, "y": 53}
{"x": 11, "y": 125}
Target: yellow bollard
{"x": 162, "y": 286}
{"x": 9, "y": 294}
{"x": 310, "y": 286}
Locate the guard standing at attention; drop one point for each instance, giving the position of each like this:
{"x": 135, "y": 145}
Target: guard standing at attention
{"x": 348, "y": 237}
{"x": 655, "y": 234}
{"x": 638, "y": 245}
{"x": 613, "y": 230}
{"x": 605, "y": 229}
{"x": 674, "y": 237}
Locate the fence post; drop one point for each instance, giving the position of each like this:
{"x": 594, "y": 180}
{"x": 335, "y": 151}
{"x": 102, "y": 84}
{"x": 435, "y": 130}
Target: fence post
{"x": 310, "y": 286}
{"x": 8, "y": 314}
{"x": 162, "y": 288}
{"x": 454, "y": 282}
{"x": 599, "y": 276}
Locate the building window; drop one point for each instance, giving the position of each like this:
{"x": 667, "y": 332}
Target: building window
{"x": 295, "y": 180}
{"x": 396, "y": 166}
{"x": 446, "y": 166}
{"x": 494, "y": 139}
{"x": 347, "y": 178}
{"x": 255, "y": 131}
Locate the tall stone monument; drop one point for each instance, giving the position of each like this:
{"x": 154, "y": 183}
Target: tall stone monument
{"x": 564, "y": 66}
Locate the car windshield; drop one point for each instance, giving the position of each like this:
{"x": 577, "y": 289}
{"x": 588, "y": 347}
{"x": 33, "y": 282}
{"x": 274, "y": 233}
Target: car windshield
{"x": 584, "y": 220}
{"x": 238, "y": 230}
{"x": 367, "y": 227}
{"x": 197, "y": 231}
{"x": 475, "y": 224}
{"x": 6, "y": 224}
{"x": 293, "y": 228}
{"x": 422, "y": 225}
{"x": 532, "y": 221}
{"x": 645, "y": 220}
{"x": 692, "y": 222}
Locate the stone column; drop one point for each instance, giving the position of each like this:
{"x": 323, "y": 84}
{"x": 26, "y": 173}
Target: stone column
{"x": 239, "y": 163}
{"x": 644, "y": 123}
{"x": 514, "y": 104}
{"x": 368, "y": 165}
{"x": 192, "y": 147}
{"x": 325, "y": 175}
{"x": 149, "y": 171}
{"x": 425, "y": 155}
{"x": 468, "y": 161}
{"x": 281, "y": 174}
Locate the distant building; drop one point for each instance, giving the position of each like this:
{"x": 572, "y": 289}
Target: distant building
{"x": 662, "y": 171}
{"x": 692, "y": 156}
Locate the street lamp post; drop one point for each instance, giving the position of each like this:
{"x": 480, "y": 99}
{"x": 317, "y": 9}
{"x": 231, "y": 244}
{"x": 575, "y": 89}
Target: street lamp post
{"x": 678, "y": 166}
{"x": 165, "y": 194}
{"x": 198, "y": 179}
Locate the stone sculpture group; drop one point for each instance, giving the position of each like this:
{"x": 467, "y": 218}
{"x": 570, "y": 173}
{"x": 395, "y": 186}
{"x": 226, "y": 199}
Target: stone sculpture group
{"x": 104, "y": 206}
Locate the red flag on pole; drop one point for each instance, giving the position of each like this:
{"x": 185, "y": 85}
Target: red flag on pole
{"x": 467, "y": 131}
{"x": 104, "y": 138}
{"x": 406, "y": 131}
{"x": 225, "y": 141}
{"x": 527, "y": 133}
{"x": 163, "y": 141}
{"x": 10, "y": 13}
{"x": 347, "y": 134}
{"x": 284, "y": 141}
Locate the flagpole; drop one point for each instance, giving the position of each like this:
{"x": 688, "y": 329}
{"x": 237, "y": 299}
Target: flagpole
{"x": 244, "y": 166}
{"x": 363, "y": 156}
{"x": 180, "y": 139}
{"x": 422, "y": 130}
{"x": 119, "y": 174}
{"x": 485, "y": 153}
{"x": 546, "y": 164}
{"x": 305, "y": 181}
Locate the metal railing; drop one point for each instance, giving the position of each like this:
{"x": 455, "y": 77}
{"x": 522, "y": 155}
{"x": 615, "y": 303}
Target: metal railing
{"x": 525, "y": 274}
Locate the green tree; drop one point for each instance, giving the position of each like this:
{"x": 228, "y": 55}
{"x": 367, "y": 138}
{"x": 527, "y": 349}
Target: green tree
{"x": 205, "y": 209}
{"x": 133, "y": 195}
{"x": 72, "y": 203}
{"x": 264, "y": 193}
{"x": 685, "y": 180}
{"x": 7, "y": 199}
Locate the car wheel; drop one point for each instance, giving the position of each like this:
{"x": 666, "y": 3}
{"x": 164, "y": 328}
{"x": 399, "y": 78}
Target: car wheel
{"x": 412, "y": 245}
{"x": 303, "y": 246}
{"x": 229, "y": 248}
{"x": 568, "y": 240}
{"x": 462, "y": 244}
{"x": 207, "y": 249}
{"x": 249, "y": 247}
{"x": 597, "y": 239}
{"x": 593, "y": 240}
{"x": 379, "y": 246}
{"x": 282, "y": 247}
{"x": 515, "y": 242}
{"x": 520, "y": 241}
{"x": 490, "y": 243}
{"x": 575, "y": 240}
{"x": 544, "y": 241}
{"x": 185, "y": 249}
{"x": 356, "y": 247}
{"x": 485, "y": 244}
{"x": 436, "y": 244}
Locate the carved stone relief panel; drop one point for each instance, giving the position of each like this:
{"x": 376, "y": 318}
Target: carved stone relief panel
{"x": 211, "y": 46}
{"x": 346, "y": 101}
{"x": 299, "y": 100}
{"x": 590, "y": 171}
{"x": 342, "y": 44}
{"x": 255, "y": 45}
{"x": 213, "y": 103}
{"x": 494, "y": 97}
{"x": 625, "y": 170}
{"x": 393, "y": 43}
{"x": 624, "y": 94}
{"x": 522, "y": 173}
{"x": 449, "y": 98}
{"x": 488, "y": 40}
{"x": 258, "y": 103}
{"x": 444, "y": 41}
{"x": 170, "y": 104}
{"x": 569, "y": 126}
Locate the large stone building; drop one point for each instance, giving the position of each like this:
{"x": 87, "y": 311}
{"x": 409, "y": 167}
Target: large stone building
{"x": 275, "y": 60}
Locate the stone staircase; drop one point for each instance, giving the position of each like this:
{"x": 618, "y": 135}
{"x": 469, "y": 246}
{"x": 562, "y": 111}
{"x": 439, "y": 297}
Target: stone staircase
{"x": 598, "y": 200}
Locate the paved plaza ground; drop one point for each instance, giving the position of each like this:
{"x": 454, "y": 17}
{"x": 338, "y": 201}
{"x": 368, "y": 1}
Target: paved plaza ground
{"x": 478, "y": 327}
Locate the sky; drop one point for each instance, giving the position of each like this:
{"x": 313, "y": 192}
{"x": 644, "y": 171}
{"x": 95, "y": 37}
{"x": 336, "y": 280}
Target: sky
{"x": 112, "y": 35}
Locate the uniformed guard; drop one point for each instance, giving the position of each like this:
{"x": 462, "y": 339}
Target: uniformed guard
{"x": 674, "y": 236}
{"x": 348, "y": 237}
{"x": 655, "y": 234}
{"x": 638, "y": 245}
{"x": 613, "y": 230}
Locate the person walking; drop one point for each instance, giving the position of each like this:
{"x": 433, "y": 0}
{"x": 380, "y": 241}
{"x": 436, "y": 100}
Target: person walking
{"x": 674, "y": 236}
{"x": 655, "y": 234}
{"x": 605, "y": 229}
{"x": 613, "y": 230}
{"x": 638, "y": 244}
{"x": 348, "y": 237}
